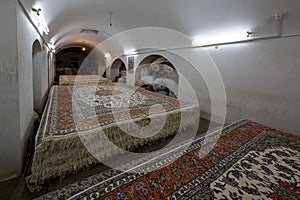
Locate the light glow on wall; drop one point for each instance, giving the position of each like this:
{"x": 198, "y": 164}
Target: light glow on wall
{"x": 39, "y": 20}
{"x": 107, "y": 55}
{"x": 51, "y": 47}
{"x": 130, "y": 52}
{"x": 220, "y": 38}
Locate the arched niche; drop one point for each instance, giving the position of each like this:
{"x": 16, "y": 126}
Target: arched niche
{"x": 118, "y": 71}
{"x": 37, "y": 63}
{"x": 158, "y": 72}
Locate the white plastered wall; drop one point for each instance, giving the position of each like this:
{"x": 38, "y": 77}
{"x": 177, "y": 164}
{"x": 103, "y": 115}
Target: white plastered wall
{"x": 10, "y": 156}
{"x": 261, "y": 80}
{"x": 16, "y": 87}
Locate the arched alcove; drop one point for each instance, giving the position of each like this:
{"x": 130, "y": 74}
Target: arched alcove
{"x": 118, "y": 71}
{"x": 37, "y": 61}
{"x": 158, "y": 72}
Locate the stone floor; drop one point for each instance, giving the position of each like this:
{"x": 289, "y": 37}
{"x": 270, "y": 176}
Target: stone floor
{"x": 16, "y": 189}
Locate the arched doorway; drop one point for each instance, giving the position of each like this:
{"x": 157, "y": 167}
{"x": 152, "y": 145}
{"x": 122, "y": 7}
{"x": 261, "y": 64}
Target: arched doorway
{"x": 69, "y": 62}
{"x": 50, "y": 71}
{"x": 37, "y": 62}
{"x": 158, "y": 72}
{"x": 118, "y": 71}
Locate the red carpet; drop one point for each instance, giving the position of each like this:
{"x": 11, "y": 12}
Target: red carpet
{"x": 249, "y": 160}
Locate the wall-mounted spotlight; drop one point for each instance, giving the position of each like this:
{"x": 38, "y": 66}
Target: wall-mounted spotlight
{"x": 37, "y": 10}
{"x": 40, "y": 21}
{"x": 249, "y": 33}
{"x": 83, "y": 49}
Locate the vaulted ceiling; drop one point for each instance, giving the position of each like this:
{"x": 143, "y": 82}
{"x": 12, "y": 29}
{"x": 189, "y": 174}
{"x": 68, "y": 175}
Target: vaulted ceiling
{"x": 66, "y": 19}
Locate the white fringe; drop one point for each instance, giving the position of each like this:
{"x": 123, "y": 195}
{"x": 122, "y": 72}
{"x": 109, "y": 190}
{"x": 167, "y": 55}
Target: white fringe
{"x": 58, "y": 156}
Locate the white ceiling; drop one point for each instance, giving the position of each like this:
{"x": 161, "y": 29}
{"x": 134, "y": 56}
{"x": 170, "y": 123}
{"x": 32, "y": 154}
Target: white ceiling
{"x": 194, "y": 18}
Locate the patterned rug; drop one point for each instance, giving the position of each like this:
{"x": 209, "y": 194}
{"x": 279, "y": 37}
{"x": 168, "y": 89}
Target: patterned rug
{"x": 88, "y": 124}
{"x": 98, "y": 106}
{"x": 245, "y": 160}
{"x": 82, "y": 79}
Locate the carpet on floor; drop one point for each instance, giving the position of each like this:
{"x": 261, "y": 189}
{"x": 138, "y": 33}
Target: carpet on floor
{"x": 244, "y": 160}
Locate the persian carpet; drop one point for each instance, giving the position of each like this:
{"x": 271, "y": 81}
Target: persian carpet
{"x": 80, "y": 123}
{"x": 245, "y": 160}
{"x": 82, "y": 79}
